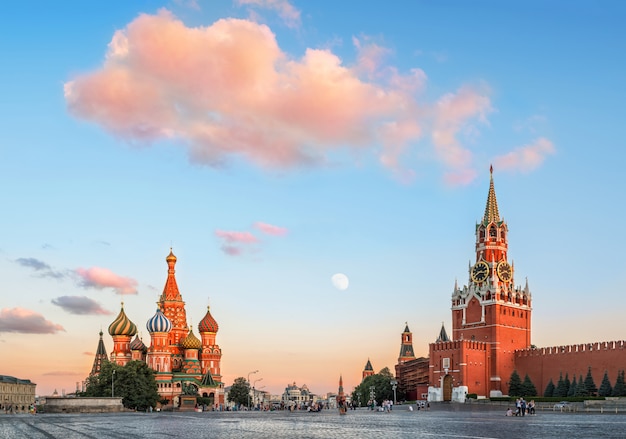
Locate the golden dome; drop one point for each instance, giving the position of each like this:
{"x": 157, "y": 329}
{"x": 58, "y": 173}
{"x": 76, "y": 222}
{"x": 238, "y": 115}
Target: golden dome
{"x": 191, "y": 341}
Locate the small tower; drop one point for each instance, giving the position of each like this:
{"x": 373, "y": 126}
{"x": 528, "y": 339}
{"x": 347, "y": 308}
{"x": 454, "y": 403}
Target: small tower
{"x": 368, "y": 370}
{"x": 211, "y": 355}
{"x": 101, "y": 355}
{"x": 406, "y": 347}
{"x": 191, "y": 345}
{"x": 121, "y": 330}
{"x": 341, "y": 397}
{"x": 138, "y": 349}
{"x": 159, "y": 355}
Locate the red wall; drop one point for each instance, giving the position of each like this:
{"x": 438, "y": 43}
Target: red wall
{"x": 544, "y": 364}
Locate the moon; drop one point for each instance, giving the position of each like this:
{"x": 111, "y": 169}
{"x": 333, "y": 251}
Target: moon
{"x": 340, "y": 281}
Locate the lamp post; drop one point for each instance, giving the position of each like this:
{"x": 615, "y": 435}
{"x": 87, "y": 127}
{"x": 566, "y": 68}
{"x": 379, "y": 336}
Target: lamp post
{"x": 394, "y": 384}
{"x": 358, "y": 395}
{"x": 254, "y": 390}
{"x": 373, "y": 396}
{"x": 250, "y": 373}
{"x": 113, "y": 384}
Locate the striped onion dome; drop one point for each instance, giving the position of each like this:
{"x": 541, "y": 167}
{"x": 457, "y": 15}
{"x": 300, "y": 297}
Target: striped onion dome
{"x": 122, "y": 325}
{"x": 208, "y": 323}
{"x": 137, "y": 345}
{"x": 159, "y": 323}
{"x": 191, "y": 341}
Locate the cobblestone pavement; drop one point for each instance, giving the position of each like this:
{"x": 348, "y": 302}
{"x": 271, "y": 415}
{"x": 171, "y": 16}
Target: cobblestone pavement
{"x": 301, "y": 425}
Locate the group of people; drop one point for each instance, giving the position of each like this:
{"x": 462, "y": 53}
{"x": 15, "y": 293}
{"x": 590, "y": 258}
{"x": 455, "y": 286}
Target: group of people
{"x": 522, "y": 408}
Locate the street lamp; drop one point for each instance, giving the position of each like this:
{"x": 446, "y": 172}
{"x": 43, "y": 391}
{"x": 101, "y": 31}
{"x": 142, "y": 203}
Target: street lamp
{"x": 113, "y": 384}
{"x": 254, "y": 390}
{"x": 394, "y": 384}
{"x": 250, "y": 373}
{"x": 373, "y": 396}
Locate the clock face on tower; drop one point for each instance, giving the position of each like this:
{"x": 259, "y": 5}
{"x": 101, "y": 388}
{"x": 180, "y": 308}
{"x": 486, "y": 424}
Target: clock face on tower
{"x": 504, "y": 271}
{"x": 480, "y": 271}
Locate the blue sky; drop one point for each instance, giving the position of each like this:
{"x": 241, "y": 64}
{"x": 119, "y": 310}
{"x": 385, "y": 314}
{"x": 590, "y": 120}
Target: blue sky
{"x": 381, "y": 176}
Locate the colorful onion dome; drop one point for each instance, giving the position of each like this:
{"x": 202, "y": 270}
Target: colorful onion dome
{"x": 137, "y": 345}
{"x": 208, "y": 323}
{"x": 159, "y": 323}
{"x": 191, "y": 341}
{"x": 122, "y": 325}
{"x": 170, "y": 257}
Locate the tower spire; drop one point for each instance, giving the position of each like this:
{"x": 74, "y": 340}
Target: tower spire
{"x": 491, "y": 210}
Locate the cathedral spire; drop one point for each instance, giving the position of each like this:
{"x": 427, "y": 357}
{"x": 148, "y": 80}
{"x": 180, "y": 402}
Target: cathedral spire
{"x": 491, "y": 210}
{"x": 101, "y": 355}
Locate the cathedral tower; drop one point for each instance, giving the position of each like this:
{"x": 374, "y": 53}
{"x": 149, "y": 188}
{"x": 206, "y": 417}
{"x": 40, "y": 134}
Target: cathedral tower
{"x": 211, "y": 355}
{"x": 101, "y": 355}
{"x": 173, "y": 307}
{"x": 121, "y": 330}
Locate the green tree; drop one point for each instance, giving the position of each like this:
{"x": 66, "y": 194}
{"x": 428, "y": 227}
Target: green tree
{"x": 134, "y": 382}
{"x": 549, "y": 392}
{"x": 620, "y": 388}
{"x": 605, "y": 386}
{"x": 515, "y": 384}
{"x": 561, "y": 390}
{"x": 239, "y": 392}
{"x": 379, "y": 383}
{"x": 572, "y": 387}
{"x": 528, "y": 388}
{"x": 581, "y": 388}
{"x": 592, "y": 390}
{"x": 567, "y": 383}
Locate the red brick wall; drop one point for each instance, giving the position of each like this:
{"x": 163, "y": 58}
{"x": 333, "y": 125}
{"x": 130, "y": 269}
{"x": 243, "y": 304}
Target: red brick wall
{"x": 543, "y": 364}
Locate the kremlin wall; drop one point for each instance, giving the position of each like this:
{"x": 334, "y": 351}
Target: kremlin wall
{"x": 491, "y": 333}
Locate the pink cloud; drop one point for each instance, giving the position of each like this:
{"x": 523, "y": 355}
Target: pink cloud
{"x": 97, "y": 277}
{"x": 453, "y": 114}
{"x": 270, "y": 229}
{"x": 285, "y": 10}
{"x": 460, "y": 177}
{"x": 236, "y": 237}
{"x": 25, "y": 321}
{"x": 236, "y": 243}
{"x": 228, "y": 90}
{"x": 527, "y": 157}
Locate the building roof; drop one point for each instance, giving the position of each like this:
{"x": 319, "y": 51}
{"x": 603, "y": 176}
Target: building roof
{"x": 12, "y": 380}
{"x": 443, "y": 335}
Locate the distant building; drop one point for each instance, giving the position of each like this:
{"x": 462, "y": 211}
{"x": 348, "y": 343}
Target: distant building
{"x": 411, "y": 372}
{"x": 16, "y": 394}
{"x": 183, "y": 364}
{"x": 368, "y": 370}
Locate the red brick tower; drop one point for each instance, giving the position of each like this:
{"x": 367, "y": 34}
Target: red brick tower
{"x": 368, "y": 371}
{"x": 172, "y": 305}
{"x": 406, "y": 347}
{"x": 492, "y": 310}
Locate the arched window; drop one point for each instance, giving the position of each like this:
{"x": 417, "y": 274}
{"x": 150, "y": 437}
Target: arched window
{"x": 493, "y": 232}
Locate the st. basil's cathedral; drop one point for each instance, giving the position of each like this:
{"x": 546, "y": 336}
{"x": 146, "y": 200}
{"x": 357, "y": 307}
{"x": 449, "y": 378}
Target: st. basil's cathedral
{"x": 183, "y": 364}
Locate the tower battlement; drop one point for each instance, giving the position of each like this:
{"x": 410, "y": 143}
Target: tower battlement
{"x": 458, "y": 344}
{"x": 619, "y": 345}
